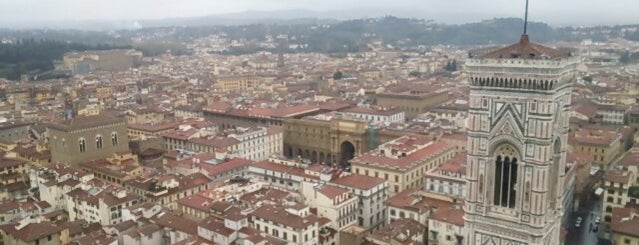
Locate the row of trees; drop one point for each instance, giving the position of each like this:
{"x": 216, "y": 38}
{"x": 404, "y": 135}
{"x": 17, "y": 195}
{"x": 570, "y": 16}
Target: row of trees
{"x": 30, "y": 55}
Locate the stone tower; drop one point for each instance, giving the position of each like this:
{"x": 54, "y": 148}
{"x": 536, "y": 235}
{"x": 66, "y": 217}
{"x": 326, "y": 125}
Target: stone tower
{"x": 517, "y": 136}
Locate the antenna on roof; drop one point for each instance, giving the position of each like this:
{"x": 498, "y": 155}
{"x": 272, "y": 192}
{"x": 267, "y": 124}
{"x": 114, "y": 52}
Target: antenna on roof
{"x": 526, "y": 19}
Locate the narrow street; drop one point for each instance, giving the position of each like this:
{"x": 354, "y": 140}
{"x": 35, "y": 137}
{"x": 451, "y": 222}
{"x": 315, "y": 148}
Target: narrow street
{"x": 584, "y": 235}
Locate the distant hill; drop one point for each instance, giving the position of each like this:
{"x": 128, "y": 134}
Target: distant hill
{"x": 314, "y": 35}
{"x": 282, "y": 17}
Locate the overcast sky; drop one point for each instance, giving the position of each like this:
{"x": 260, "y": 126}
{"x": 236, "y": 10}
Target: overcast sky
{"x": 554, "y": 12}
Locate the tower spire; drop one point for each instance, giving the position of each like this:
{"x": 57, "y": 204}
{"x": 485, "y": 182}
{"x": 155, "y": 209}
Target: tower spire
{"x": 526, "y": 19}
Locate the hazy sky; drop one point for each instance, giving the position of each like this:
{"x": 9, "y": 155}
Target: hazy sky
{"x": 554, "y": 12}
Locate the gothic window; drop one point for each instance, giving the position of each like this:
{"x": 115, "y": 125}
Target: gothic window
{"x": 114, "y": 139}
{"x": 82, "y": 144}
{"x": 98, "y": 141}
{"x": 505, "y": 177}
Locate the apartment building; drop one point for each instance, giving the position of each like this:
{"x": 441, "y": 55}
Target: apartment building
{"x": 289, "y": 174}
{"x": 332, "y": 202}
{"x": 403, "y": 162}
{"x": 294, "y": 224}
{"x": 448, "y": 178}
{"x": 602, "y": 145}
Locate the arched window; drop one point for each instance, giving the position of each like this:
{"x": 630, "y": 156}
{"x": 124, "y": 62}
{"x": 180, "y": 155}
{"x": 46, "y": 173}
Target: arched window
{"x": 114, "y": 139}
{"x": 82, "y": 144}
{"x": 505, "y": 176}
{"x": 98, "y": 141}
{"x": 64, "y": 143}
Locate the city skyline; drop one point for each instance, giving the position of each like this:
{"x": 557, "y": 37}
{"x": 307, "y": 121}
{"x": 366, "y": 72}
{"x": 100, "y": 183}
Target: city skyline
{"x": 30, "y": 13}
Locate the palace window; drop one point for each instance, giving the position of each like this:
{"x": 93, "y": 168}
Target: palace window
{"x": 98, "y": 141}
{"x": 114, "y": 139}
{"x": 82, "y": 143}
{"x": 505, "y": 177}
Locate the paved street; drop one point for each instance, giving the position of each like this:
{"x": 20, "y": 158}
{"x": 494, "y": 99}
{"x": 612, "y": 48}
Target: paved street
{"x": 584, "y": 235}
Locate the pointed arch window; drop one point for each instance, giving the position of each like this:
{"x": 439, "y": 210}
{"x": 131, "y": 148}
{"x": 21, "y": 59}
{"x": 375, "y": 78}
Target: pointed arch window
{"x": 98, "y": 141}
{"x": 506, "y": 169}
{"x": 82, "y": 144}
{"x": 114, "y": 139}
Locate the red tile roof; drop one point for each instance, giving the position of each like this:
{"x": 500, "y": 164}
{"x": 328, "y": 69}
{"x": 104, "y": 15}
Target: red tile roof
{"x": 332, "y": 191}
{"x": 401, "y": 231}
{"x": 358, "y": 181}
{"x": 524, "y": 49}
{"x": 411, "y": 160}
{"x": 279, "y": 216}
{"x": 235, "y": 163}
{"x": 625, "y": 221}
{"x": 32, "y": 231}
{"x": 281, "y": 168}
{"x": 196, "y": 202}
{"x": 617, "y": 176}
{"x": 632, "y": 158}
{"x": 602, "y": 138}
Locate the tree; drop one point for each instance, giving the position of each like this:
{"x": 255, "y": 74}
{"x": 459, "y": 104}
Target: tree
{"x": 337, "y": 75}
{"x": 588, "y": 79}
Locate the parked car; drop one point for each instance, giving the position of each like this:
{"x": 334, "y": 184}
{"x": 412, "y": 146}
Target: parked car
{"x": 578, "y": 222}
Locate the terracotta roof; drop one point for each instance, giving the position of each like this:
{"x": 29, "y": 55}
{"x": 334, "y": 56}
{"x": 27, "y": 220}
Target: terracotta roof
{"x": 264, "y": 194}
{"x": 86, "y": 122}
{"x": 524, "y": 49}
{"x": 632, "y": 158}
{"x": 625, "y": 221}
{"x": 594, "y": 137}
{"x": 175, "y": 222}
{"x": 400, "y": 231}
{"x": 98, "y": 237}
{"x": 153, "y": 127}
{"x": 216, "y": 142}
{"x": 235, "y": 163}
{"x": 8, "y": 162}
{"x": 332, "y": 191}
{"x": 585, "y": 108}
{"x": 196, "y": 202}
{"x": 32, "y": 231}
{"x": 401, "y": 163}
{"x": 448, "y": 212}
{"x": 217, "y": 226}
{"x": 281, "y": 168}
{"x": 358, "y": 181}
{"x": 279, "y": 216}
{"x": 617, "y": 176}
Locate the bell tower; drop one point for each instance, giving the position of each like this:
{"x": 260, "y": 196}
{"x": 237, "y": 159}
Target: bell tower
{"x": 517, "y": 137}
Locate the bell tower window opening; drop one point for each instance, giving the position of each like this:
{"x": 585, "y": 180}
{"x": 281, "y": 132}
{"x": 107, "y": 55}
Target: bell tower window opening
{"x": 506, "y": 169}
